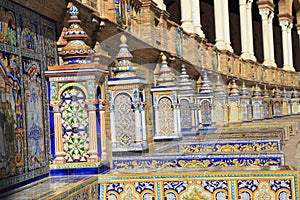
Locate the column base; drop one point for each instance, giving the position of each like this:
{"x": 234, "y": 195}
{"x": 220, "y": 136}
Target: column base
{"x": 269, "y": 63}
{"x": 198, "y": 31}
{"x": 93, "y": 156}
{"x": 104, "y": 155}
{"x": 248, "y": 56}
{"x": 288, "y": 68}
{"x": 59, "y": 158}
{"x": 221, "y": 45}
{"x": 188, "y": 26}
{"x": 229, "y": 47}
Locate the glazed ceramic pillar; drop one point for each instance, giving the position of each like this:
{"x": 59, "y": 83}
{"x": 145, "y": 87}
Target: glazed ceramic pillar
{"x": 59, "y": 153}
{"x": 103, "y": 134}
{"x": 267, "y": 30}
{"x": 175, "y": 117}
{"x": 178, "y": 120}
{"x": 156, "y": 118}
{"x": 112, "y": 127}
{"x": 213, "y": 114}
{"x": 196, "y": 18}
{"x": 193, "y": 118}
{"x": 93, "y": 149}
{"x": 186, "y": 15}
{"x": 196, "y": 117}
{"x": 137, "y": 118}
{"x": 143, "y": 122}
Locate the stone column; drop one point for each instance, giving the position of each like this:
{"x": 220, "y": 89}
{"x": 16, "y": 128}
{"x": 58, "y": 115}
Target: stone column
{"x": 271, "y": 38}
{"x": 290, "y": 45}
{"x": 222, "y": 25}
{"x": 250, "y": 30}
{"x": 219, "y": 24}
{"x": 93, "y": 143}
{"x": 196, "y": 18}
{"x": 226, "y": 27}
{"x": 267, "y": 31}
{"x": 59, "y": 153}
{"x": 246, "y": 29}
{"x": 186, "y": 16}
{"x": 286, "y": 27}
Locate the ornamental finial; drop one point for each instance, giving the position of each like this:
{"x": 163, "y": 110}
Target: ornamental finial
{"x": 163, "y": 58}
{"x": 73, "y": 11}
{"x": 123, "y": 39}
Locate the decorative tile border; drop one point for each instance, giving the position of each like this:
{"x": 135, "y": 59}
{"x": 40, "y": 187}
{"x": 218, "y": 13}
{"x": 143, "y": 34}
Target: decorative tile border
{"x": 206, "y": 185}
{"x": 204, "y": 160}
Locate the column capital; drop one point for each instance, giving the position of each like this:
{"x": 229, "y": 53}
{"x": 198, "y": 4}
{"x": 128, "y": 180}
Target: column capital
{"x": 271, "y": 16}
{"x": 55, "y": 103}
{"x": 249, "y": 4}
{"x": 285, "y": 24}
{"x": 102, "y": 104}
{"x": 136, "y": 106}
{"x": 55, "y": 106}
{"x": 91, "y": 107}
{"x": 264, "y": 13}
{"x": 242, "y": 2}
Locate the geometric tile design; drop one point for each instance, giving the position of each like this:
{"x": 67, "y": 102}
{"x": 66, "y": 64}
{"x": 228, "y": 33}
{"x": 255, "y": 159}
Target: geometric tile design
{"x": 75, "y": 125}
